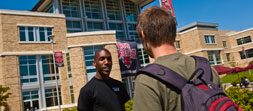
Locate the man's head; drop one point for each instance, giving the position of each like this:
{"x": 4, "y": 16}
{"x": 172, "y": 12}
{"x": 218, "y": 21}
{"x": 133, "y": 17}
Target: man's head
{"x": 156, "y": 26}
{"x": 103, "y": 63}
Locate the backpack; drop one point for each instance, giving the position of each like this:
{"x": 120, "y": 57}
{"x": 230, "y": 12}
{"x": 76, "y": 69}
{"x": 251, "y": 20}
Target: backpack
{"x": 198, "y": 93}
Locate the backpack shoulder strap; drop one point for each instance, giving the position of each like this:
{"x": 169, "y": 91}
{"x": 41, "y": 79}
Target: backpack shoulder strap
{"x": 164, "y": 74}
{"x": 203, "y": 63}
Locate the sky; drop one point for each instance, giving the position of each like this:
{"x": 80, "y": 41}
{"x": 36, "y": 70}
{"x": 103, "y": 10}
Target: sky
{"x": 233, "y": 15}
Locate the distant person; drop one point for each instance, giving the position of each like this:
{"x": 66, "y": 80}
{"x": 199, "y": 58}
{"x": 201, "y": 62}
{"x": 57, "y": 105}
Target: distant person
{"x": 102, "y": 93}
{"x": 246, "y": 82}
{"x": 157, "y": 29}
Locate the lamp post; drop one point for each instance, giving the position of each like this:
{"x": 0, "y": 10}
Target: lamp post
{"x": 51, "y": 37}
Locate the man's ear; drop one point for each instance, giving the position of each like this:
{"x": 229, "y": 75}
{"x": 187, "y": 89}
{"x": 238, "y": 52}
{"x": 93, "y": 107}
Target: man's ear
{"x": 143, "y": 35}
{"x": 94, "y": 63}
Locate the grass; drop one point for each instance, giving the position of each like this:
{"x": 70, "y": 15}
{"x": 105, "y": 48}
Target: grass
{"x": 229, "y": 78}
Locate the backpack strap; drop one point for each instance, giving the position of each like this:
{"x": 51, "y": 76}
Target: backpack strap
{"x": 164, "y": 74}
{"x": 203, "y": 63}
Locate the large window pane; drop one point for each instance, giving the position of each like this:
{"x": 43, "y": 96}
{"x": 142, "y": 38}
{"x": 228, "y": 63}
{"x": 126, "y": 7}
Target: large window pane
{"x": 51, "y": 97}
{"x": 113, "y": 9}
{"x": 71, "y": 8}
{"x": 95, "y": 26}
{"x": 28, "y": 69}
{"x": 93, "y": 9}
{"x": 131, "y": 11}
{"x": 73, "y": 26}
{"x": 30, "y": 34}
{"x": 119, "y": 30}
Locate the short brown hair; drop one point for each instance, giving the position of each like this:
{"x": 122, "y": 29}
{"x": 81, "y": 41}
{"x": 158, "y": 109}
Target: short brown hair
{"x": 158, "y": 26}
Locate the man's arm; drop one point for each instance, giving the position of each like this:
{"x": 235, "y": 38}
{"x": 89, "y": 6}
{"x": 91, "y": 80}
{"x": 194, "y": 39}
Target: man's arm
{"x": 84, "y": 100}
{"x": 146, "y": 94}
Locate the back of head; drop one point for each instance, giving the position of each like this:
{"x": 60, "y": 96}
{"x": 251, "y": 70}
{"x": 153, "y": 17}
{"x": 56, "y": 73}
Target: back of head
{"x": 158, "y": 26}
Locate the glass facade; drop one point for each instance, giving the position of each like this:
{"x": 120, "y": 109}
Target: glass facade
{"x": 37, "y": 81}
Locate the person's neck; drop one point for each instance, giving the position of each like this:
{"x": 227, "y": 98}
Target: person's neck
{"x": 164, "y": 49}
{"x": 100, "y": 77}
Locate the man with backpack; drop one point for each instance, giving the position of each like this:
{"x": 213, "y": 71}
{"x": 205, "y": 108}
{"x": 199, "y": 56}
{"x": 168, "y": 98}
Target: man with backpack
{"x": 157, "y": 29}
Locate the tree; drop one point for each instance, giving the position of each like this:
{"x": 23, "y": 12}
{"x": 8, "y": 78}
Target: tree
{"x": 3, "y": 96}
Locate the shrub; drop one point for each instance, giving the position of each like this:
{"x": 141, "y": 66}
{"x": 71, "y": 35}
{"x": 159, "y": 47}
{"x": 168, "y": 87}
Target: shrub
{"x": 71, "y": 109}
{"x": 3, "y": 97}
{"x": 244, "y": 97}
{"x": 129, "y": 105}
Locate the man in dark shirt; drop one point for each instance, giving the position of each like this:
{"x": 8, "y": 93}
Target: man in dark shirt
{"x": 102, "y": 93}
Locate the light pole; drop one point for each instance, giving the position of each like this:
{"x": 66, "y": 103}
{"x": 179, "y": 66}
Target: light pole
{"x": 51, "y": 37}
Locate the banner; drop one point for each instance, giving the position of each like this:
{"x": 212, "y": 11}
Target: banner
{"x": 128, "y": 57}
{"x": 168, "y": 4}
{"x": 59, "y": 59}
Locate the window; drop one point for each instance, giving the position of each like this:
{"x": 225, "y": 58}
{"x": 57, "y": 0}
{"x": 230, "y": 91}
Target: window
{"x": 113, "y": 9}
{"x": 209, "y": 39}
{"x": 30, "y": 100}
{"x": 34, "y": 34}
{"x": 249, "y": 54}
{"x": 132, "y": 33}
{"x": 28, "y": 69}
{"x": 72, "y": 94}
{"x": 143, "y": 57}
{"x": 48, "y": 68}
{"x": 71, "y": 8}
{"x": 89, "y": 53}
{"x": 73, "y": 26}
{"x": 131, "y": 13}
{"x": 119, "y": 30}
{"x": 51, "y": 97}
{"x": 228, "y": 56}
{"x": 224, "y": 44}
{"x": 214, "y": 57}
{"x": 37, "y": 74}
{"x": 95, "y": 26}
{"x": 243, "y": 40}
{"x": 178, "y": 44}
{"x": 93, "y": 9}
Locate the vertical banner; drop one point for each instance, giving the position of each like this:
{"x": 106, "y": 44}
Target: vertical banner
{"x": 128, "y": 57}
{"x": 168, "y": 4}
{"x": 59, "y": 59}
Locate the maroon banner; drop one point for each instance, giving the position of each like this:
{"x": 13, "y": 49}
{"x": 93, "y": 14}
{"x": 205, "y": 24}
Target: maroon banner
{"x": 128, "y": 57}
{"x": 59, "y": 59}
{"x": 168, "y": 4}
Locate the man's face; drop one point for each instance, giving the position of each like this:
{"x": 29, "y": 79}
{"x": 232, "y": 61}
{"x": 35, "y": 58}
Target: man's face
{"x": 103, "y": 63}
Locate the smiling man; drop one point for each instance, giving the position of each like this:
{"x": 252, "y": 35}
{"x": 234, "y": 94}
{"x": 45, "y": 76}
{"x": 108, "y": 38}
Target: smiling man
{"x": 102, "y": 93}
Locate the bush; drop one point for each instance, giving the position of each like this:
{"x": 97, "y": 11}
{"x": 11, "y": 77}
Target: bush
{"x": 129, "y": 105}
{"x": 234, "y": 83}
{"x": 244, "y": 97}
{"x": 71, "y": 109}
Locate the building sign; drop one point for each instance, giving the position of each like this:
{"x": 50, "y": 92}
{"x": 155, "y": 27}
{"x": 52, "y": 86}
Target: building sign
{"x": 128, "y": 57}
{"x": 168, "y": 4}
{"x": 59, "y": 59}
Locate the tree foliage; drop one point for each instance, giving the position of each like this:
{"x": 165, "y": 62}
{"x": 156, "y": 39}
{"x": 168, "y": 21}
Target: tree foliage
{"x": 242, "y": 97}
{"x": 3, "y": 96}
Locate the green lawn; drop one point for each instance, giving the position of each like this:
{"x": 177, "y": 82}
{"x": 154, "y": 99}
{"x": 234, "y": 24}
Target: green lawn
{"x": 229, "y": 78}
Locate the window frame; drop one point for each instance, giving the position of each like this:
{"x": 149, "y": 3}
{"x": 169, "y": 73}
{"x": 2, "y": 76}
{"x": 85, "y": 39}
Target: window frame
{"x": 36, "y": 34}
{"x": 209, "y": 39}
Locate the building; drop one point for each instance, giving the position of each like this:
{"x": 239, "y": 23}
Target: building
{"x": 80, "y": 28}
{"x": 220, "y": 47}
